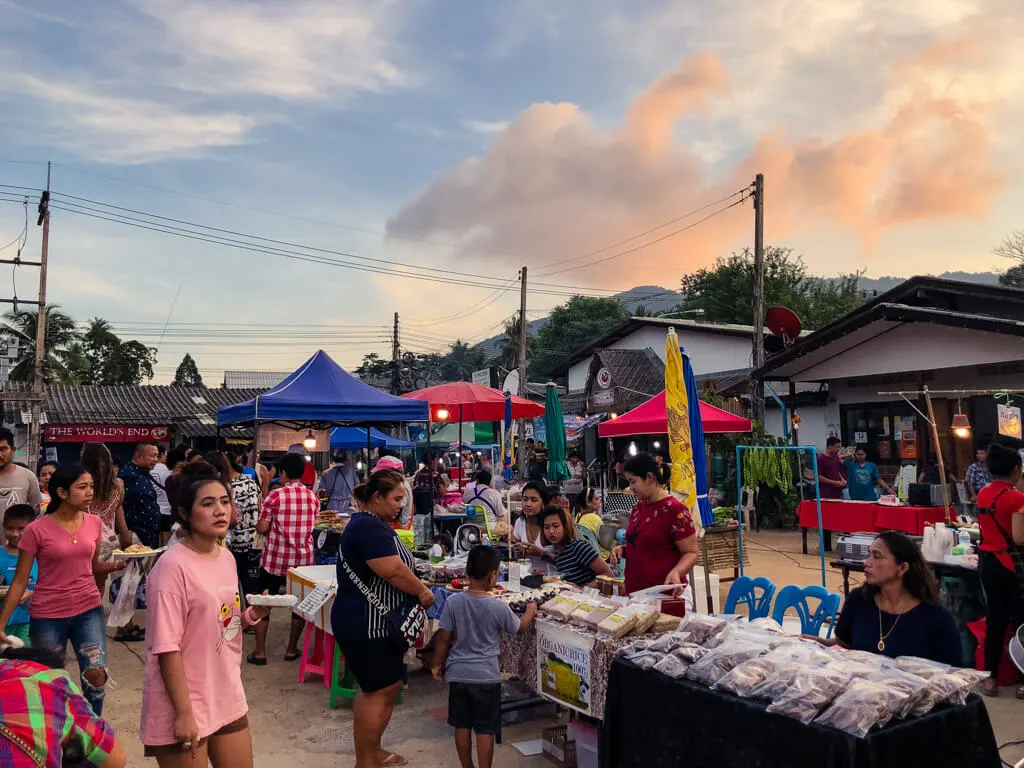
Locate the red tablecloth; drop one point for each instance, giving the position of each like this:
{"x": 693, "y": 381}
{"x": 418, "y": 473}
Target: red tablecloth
{"x": 855, "y": 516}
{"x": 836, "y": 515}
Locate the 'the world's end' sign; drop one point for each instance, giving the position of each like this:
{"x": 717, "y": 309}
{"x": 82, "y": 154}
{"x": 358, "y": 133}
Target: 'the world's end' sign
{"x": 106, "y": 433}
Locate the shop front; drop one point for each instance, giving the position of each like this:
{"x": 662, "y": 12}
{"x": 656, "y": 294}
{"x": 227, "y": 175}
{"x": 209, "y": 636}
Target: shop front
{"x": 63, "y": 442}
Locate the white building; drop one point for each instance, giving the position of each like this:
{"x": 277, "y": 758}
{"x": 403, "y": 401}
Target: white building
{"x": 944, "y": 334}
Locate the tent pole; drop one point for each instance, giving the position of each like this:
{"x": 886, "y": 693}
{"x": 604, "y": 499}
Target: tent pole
{"x": 427, "y": 464}
{"x": 367, "y": 452}
{"x": 461, "y": 478}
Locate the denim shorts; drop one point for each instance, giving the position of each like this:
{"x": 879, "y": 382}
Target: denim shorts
{"x": 88, "y": 638}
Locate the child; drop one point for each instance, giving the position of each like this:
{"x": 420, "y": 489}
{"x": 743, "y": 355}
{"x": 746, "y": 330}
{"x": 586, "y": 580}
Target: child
{"x": 474, "y": 683}
{"x": 17, "y": 517}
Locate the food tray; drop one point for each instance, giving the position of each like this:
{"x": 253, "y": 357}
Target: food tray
{"x": 118, "y": 554}
{"x": 272, "y": 601}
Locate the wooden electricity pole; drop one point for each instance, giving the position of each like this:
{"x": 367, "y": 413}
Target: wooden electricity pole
{"x": 521, "y": 450}
{"x": 396, "y": 378}
{"x": 757, "y": 384}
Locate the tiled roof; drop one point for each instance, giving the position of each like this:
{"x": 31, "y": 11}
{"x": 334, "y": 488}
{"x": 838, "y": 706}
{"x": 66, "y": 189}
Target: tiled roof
{"x": 639, "y": 373}
{"x": 254, "y": 379}
{"x": 192, "y": 411}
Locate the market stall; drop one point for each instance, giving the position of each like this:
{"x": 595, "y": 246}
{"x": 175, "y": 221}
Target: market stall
{"x": 855, "y": 516}
{"x": 651, "y": 418}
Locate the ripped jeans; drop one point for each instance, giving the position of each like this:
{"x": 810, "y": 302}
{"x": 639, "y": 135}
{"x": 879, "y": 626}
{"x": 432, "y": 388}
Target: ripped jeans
{"x": 88, "y": 637}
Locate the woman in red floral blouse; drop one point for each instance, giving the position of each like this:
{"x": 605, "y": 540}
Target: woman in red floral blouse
{"x": 661, "y": 542}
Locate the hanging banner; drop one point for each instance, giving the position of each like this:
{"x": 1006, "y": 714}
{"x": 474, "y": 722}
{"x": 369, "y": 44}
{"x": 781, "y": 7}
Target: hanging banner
{"x": 100, "y": 433}
{"x": 1009, "y": 420}
{"x": 563, "y": 666}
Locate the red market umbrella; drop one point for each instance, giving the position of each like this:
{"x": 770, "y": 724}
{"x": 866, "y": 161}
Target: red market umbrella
{"x": 650, "y": 419}
{"x": 464, "y": 401}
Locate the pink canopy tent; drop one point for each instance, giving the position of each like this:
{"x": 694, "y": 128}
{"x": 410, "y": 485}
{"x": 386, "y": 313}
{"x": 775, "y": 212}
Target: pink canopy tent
{"x": 650, "y": 419}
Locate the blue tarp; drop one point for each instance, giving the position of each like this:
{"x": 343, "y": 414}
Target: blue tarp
{"x": 321, "y": 391}
{"x": 354, "y": 438}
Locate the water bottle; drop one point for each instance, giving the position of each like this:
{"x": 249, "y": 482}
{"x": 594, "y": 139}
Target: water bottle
{"x": 965, "y": 540}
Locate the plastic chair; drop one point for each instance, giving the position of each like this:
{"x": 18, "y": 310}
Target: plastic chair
{"x": 796, "y": 597}
{"x": 317, "y": 654}
{"x": 744, "y": 590}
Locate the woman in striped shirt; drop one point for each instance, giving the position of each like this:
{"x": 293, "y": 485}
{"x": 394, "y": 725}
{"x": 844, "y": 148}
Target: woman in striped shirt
{"x": 577, "y": 561}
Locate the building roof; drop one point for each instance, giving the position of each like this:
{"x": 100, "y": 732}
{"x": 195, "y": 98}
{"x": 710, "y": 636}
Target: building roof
{"x": 192, "y": 411}
{"x": 928, "y": 300}
{"x": 254, "y": 379}
{"x": 635, "y": 323}
{"x": 640, "y": 373}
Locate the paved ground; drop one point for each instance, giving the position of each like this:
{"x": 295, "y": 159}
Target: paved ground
{"x": 293, "y": 726}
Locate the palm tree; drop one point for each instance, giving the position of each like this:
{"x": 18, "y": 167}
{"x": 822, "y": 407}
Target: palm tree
{"x": 461, "y": 361}
{"x": 60, "y": 334}
{"x": 508, "y": 345}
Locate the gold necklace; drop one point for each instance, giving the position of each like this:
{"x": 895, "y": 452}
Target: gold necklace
{"x": 74, "y": 536}
{"x": 881, "y": 636}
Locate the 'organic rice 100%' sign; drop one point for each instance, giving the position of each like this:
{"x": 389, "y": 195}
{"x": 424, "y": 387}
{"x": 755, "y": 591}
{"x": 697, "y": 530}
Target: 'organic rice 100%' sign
{"x": 563, "y": 665}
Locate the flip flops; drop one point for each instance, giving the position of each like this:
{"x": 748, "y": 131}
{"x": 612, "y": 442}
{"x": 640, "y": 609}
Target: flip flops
{"x": 256, "y": 662}
{"x": 393, "y": 760}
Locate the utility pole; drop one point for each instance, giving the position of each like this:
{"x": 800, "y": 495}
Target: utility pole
{"x": 396, "y": 379}
{"x": 757, "y": 384}
{"x": 521, "y": 450}
{"x": 35, "y": 425}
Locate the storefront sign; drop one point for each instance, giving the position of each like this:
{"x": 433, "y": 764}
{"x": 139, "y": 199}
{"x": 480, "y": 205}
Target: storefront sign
{"x": 111, "y": 433}
{"x": 563, "y": 666}
{"x": 484, "y": 378}
{"x": 606, "y": 397}
{"x": 604, "y": 378}
{"x": 1009, "y": 421}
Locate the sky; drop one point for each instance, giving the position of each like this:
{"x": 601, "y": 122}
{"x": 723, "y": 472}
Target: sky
{"x": 344, "y": 160}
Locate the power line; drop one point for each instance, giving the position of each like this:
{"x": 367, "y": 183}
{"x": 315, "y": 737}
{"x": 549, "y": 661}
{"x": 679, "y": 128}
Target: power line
{"x": 649, "y": 244}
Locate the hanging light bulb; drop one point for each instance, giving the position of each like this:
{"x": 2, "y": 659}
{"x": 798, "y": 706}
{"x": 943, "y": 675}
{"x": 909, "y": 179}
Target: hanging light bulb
{"x": 657, "y": 445}
{"x": 310, "y": 442}
{"x": 613, "y": 415}
{"x": 961, "y": 424}
{"x": 632, "y": 449}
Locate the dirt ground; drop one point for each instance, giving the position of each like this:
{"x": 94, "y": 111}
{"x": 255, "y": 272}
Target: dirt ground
{"x": 292, "y": 724}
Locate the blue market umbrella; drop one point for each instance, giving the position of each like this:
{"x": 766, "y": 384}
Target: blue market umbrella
{"x": 506, "y": 440}
{"x": 700, "y": 463}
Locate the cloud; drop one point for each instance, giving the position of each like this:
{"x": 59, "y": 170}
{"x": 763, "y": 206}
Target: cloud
{"x": 553, "y": 185}
{"x": 152, "y": 80}
{"x": 485, "y": 127}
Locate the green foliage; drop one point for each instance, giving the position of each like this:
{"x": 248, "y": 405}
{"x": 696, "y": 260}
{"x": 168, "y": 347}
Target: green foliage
{"x": 461, "y": 361}
{"x": 187, "y": 374}
{"x": 108, "y": 360}
{"x": 508, "y": 346}
{"x": 571, "y": 327}
{"x": 726, "y": 291}
{"x": 60, "y": 336}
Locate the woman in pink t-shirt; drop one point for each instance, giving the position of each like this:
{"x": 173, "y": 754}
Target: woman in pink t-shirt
{"x": 66, "y": 604}
{"x": 193, "y": 703}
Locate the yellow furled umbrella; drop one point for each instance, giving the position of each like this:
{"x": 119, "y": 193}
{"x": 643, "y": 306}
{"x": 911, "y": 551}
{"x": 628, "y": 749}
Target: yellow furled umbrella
{"x": 680, "y": 447}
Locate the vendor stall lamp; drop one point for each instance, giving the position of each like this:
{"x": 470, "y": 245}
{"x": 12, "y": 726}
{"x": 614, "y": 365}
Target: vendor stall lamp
{"x": 657, "y": 445}
{"x": 310, "y": 442}
{"x": 613, "y": 415}
{"x": 961, "y": 425}
{"x": 632, "y": 449}
{"x": 442, "y": 414}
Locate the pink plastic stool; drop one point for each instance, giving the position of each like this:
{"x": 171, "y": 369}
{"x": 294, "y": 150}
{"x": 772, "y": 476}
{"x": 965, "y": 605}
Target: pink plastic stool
{"x": 318, "y": 660}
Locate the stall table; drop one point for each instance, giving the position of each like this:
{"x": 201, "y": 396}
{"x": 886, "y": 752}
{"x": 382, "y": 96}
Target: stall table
{"x": 651, "y": 719}
{"x": 854, "y": 516}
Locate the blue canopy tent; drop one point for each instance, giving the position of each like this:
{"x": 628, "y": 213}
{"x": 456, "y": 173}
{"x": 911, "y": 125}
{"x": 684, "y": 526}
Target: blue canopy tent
{"x": 350, "y": 438}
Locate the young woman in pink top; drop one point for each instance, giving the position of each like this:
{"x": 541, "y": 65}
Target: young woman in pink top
{"x": 66, "y": 604}
{"x": 193, "y": 704}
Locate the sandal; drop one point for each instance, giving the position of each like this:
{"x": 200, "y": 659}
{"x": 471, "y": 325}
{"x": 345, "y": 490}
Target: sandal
{"x": 292, "y": 656}
{"x": 988, "y": 688}
{"x": 1020, "y": 692}
{"x": 256, "y": 661}
{"x": 393, "y": 759}
{"x": 133, "y": 635}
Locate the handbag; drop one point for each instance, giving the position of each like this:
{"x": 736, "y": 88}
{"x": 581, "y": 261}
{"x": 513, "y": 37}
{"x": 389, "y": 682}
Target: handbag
{"x": 405, "y": 623}
{"x": 1014, "y": 551}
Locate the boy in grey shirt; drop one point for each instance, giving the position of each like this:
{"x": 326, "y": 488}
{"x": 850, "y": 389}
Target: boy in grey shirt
{"x": 476, "y": 620}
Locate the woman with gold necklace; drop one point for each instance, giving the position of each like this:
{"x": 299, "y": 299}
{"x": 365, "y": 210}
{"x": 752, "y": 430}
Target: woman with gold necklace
{"x": 897, "y": 611}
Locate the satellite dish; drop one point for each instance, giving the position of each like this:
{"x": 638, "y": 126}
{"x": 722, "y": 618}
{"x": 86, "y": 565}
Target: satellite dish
{"x": 784, "y": 323}
{"x": 511, "y": 383}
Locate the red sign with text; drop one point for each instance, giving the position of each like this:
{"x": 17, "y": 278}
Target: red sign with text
{"x": 109, "y": 433}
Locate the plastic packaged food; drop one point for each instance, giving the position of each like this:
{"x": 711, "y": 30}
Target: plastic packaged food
{"x": 619, "y": 624}
{"x": 647, "y": 659}
{"x": 812, "y": 690}
{"x": 912, "y": 685}
{"x": 599, "y": 614}
{"x": 971, "y": 678}
{"x": 665, "y": 623}
{"x": 691, "y": 652}
{"x": 712, "y": 667}
{"x": 672, "y": 665}
{"x": 745, "y": 677}
{"x": 635, "y": 649}
{"x": 790, "y": 660}
{"x": 861, "y": 707}
{"x": 767, "y": 624}
{"x": 669, "y": 642}
{"x": 926, "y": 669}
{"x": 646, "y": 614}
{"x": 702, "y": 627}
{"x": 582, "y": 611}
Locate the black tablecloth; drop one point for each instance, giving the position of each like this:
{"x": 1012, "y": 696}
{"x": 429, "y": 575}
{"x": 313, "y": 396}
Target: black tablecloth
{"x": 653, "y": 720}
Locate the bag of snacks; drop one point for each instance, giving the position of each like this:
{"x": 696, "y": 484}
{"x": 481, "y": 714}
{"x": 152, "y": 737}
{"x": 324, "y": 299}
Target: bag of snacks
{"x": 665, "y": 622}
{"x": 812, "y": 690}
{"x": 619, "y": 624}
{"x": 647, "y": 659}
{"x": 712, "y": 667}
{"x": 673, "y": 666}
{"x": 745, "y": 677}
{"x": 912, "y": 685}
{"x": 702, "y": 627}
{"x": 861, "y": 707}
{"x": 634, "y": 649}
{"x": 926, "y": 669}
{"x": 791, "y": 660}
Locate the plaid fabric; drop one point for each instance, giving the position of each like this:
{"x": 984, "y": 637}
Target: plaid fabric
{"x": 292, "y": 511}
{"x": 45, "y": 710}
{"x": 978, "y": 476}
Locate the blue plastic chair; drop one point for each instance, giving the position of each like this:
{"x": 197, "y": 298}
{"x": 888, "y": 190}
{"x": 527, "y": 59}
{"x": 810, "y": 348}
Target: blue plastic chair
{"x": 744, "y": 590}
{"x": 796, "y": 597}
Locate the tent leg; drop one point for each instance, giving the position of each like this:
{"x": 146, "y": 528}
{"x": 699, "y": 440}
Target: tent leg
{"x": 427, "y": 462}
{"x": 739, "y": 501}
{"x": 821, "y": 532}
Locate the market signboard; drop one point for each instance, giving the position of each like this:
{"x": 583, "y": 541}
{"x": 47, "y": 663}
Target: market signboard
{"x": 109, "y": 433}
{"x": 563, "y": 666}
{"x": 1009, "y": 421}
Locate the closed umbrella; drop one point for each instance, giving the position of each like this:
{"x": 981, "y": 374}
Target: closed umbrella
{"x": 685, "y": 432}
{"x": 506, "y": 439}
{"x": 554, "y": 427}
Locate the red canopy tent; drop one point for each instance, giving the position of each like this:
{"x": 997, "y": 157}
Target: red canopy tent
{"x": 471, "y": 402}
{"x": 651, "y": 419}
